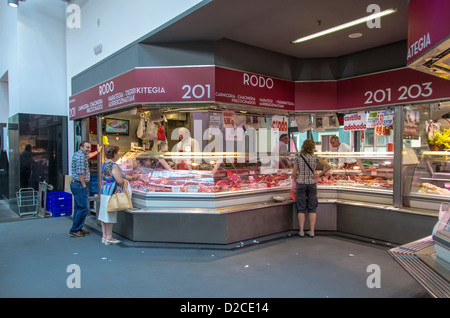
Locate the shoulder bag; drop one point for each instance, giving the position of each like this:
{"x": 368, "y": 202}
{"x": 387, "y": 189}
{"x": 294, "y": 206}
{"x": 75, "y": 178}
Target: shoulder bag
{"x": 293, "y": 193}
{"x": 120, "y": 200}
{"x": 307, "y": 163}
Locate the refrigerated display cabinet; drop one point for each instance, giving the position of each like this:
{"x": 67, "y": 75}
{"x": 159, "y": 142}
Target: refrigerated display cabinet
{"x": 221, "y": 198}
{"x": 430, "y": 180}
{"x": 221, "y": 179}
{"x": 369, "y": 180}
{"x": 211, "y": 179}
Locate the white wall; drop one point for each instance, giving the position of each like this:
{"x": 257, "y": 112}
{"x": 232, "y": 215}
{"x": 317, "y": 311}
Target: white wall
{"x": 41, "y": 54}
{"x": 115, "y": 24}
{"x": 42, "y": 57}
{"x": 33, "y": 53}
{"x": 4, "y": 102}
{"x": 8, "y": 49}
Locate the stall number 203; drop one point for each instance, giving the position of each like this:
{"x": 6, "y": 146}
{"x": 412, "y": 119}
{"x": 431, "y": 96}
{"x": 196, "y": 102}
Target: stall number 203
{"x": 406, "y": 93}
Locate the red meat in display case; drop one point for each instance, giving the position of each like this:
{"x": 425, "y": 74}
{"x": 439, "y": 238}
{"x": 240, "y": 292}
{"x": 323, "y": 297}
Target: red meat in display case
{"x": 357, "y": 180}
{"x": 229, "y": 181}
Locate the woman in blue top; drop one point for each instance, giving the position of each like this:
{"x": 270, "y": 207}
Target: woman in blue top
{"x": 112, "y": 177}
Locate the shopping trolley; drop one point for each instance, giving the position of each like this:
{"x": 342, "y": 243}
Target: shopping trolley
{"x": 27, "y": 200}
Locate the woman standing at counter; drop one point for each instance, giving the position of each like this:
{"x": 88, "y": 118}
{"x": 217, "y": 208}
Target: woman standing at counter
{"x": 304, "y": 174}
{"x": 112, "y": 177}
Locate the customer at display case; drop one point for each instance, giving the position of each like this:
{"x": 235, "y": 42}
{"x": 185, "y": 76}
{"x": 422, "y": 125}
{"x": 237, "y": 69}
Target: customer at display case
{"x": 112, "y": 178}
{"x": 303, "y": 173}
{"x": 346, "y": 163}
{"x": 79, "y": 187}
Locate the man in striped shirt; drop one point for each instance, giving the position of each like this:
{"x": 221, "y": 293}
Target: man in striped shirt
{"x": 79, "y": 186}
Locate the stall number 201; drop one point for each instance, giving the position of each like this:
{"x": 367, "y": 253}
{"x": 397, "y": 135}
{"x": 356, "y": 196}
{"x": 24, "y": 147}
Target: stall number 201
{"x": 406, "y": 92}
{"x": 197, "y": 92}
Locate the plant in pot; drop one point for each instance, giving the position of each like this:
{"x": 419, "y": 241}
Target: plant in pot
{"x": 440, "y": 141}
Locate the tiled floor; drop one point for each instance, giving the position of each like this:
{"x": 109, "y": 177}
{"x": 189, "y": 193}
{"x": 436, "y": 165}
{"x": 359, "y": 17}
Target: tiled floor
{"x": 36, "y": 255}
{"x": 6, "y": 211}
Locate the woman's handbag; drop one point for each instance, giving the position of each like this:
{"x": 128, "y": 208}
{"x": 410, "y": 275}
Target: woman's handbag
{"x": 120, "y": 201}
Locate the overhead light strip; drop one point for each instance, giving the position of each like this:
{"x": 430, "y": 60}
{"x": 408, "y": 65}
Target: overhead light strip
{"x": 346, "y": 25}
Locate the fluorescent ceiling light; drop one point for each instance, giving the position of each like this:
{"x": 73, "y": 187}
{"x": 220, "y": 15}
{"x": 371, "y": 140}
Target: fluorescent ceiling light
{"x": 346, "y": 25}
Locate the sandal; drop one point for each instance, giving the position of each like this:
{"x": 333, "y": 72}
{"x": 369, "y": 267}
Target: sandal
{"x": 108, "y": 242}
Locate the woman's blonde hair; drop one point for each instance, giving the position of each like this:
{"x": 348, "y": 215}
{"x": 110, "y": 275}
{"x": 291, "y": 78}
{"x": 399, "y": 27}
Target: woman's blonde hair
{"x": 308, "y": 147}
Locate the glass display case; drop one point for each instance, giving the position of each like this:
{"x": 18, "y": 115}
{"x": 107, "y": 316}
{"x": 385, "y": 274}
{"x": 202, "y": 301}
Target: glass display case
{"x": 366, "y": 170}
{"x": 431, "y": 177}
{"x": 207, "y": 173}
{"x": 206, "y": 177}
{"x": 246, "y": 178}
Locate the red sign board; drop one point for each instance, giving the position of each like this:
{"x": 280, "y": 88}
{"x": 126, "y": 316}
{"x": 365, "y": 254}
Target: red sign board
{"x": 216, "y": 84}
{"x": 315, "y": 95}
{"x": 145, "y": 86}
{"x": 237, "y": 87}
{"x": 194, "y": 84}
{"x": 174, "y": 84}
{"x": 386, "y": 88}
{"x": 428, "y": 24}
{"x": 390, "y": 88}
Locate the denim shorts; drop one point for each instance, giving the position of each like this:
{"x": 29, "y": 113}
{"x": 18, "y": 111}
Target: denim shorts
{"x": 307, "y": 198}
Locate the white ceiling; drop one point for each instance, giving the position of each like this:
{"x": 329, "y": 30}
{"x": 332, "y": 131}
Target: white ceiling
{"x": 273, "y": 24}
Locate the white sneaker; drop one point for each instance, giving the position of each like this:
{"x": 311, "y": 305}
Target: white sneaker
{"x": 310, "y": 233}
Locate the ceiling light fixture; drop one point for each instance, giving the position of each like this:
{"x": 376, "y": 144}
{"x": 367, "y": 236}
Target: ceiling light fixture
{"x": 355, "y": 35}
{"x": 346, "y": 25}
{"x": 13, "y": 3}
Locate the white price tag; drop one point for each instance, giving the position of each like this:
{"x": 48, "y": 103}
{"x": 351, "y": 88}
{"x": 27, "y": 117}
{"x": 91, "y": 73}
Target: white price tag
{"x": 192, "y": 188}
{"x": 175, "y": 189}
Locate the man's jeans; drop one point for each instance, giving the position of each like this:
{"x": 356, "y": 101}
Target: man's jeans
{"x": 80, "y": 205}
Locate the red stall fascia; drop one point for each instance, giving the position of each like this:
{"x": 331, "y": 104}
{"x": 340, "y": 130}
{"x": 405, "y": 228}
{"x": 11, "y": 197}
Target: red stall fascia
{"x": 428, "y": 25}
{"x": 394, "y": 87}
{"x": 211, "y": 84}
